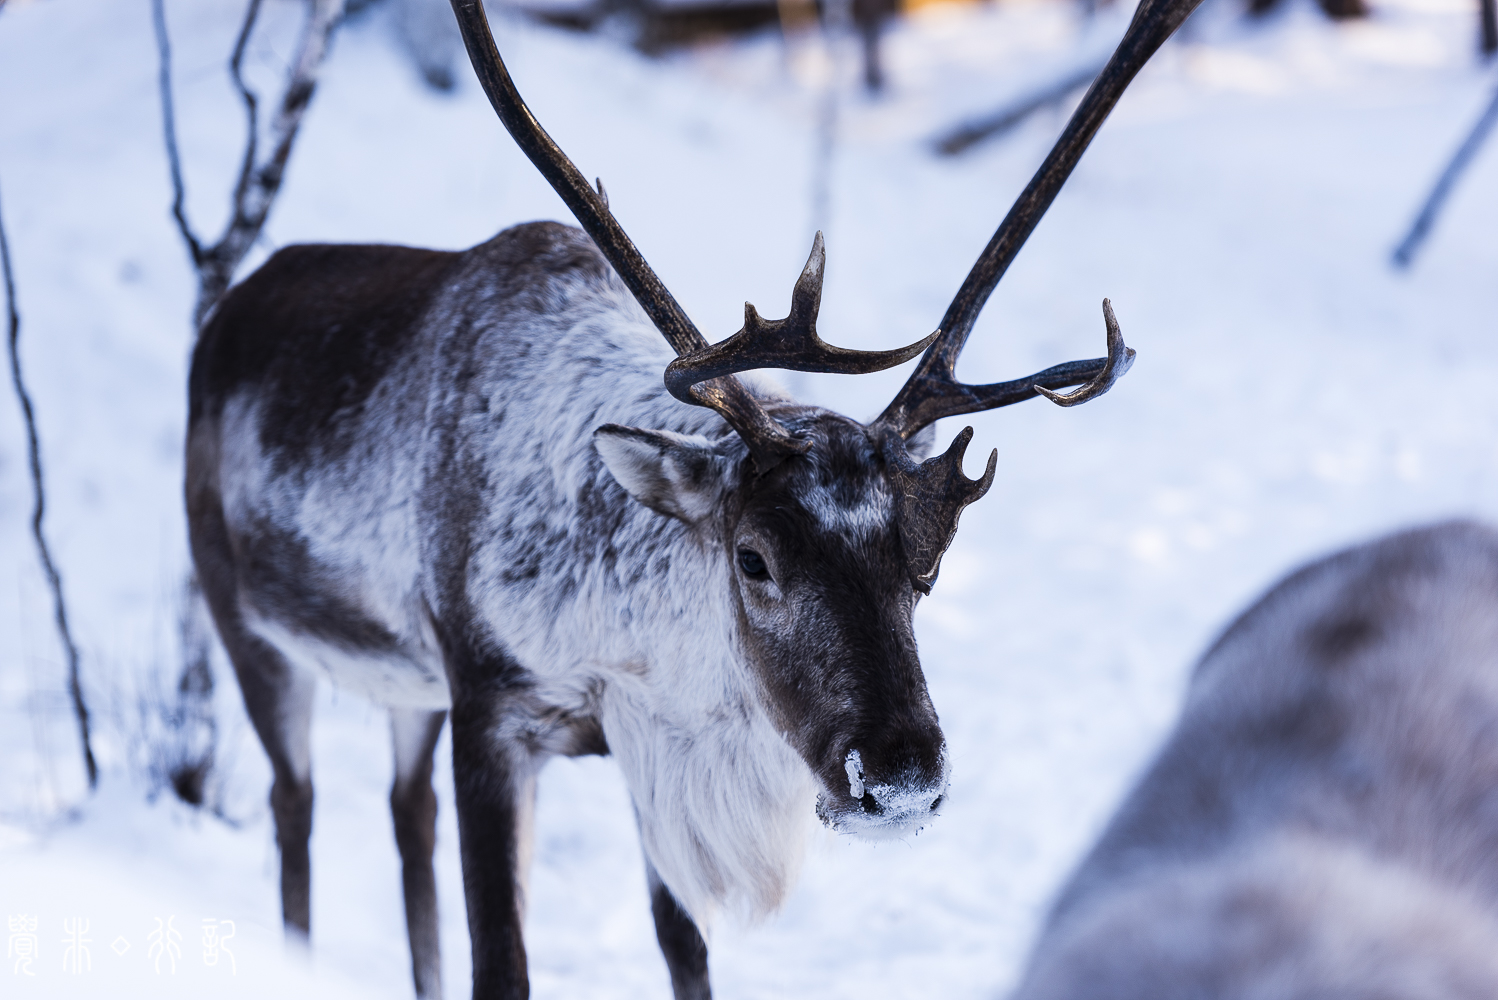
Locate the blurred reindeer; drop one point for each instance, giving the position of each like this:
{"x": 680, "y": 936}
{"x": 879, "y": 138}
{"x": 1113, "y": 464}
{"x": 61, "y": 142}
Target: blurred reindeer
{"x": 1323, "y": 822}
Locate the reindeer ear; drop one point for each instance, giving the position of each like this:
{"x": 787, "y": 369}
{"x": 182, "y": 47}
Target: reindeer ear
{"x": 678, "y": 475}
{"x": 921, "y": 443}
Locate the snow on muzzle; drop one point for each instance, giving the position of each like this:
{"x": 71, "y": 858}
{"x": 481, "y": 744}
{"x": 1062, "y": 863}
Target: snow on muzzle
{"x": 895, "y": 807}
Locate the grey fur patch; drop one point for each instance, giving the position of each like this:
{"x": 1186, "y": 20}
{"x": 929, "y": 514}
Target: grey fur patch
{"x": 1323, "y": 820}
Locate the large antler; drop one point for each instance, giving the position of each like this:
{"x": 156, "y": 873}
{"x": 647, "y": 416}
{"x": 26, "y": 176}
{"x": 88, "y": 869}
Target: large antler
{"x": 933, "y": 390}
{"x": 932, "y": 494}
{"x": 703, "y": 373}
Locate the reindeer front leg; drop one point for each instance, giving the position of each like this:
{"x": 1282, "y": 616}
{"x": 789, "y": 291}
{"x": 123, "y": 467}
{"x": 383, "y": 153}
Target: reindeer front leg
{"x": 413, "y": 807}
{"x": 681, "y": 943}
{"x": 495, "y": 785}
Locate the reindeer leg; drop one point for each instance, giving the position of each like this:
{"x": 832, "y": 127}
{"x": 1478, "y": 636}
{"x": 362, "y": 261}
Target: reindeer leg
{"x": 279, "y": 701}
{"x": 495, "y": 784}
{"x": 413, "y": 806}
{"x": 681, "y": 942}
{"x": 278, "y": 698}
{"x": 282, "y": 714}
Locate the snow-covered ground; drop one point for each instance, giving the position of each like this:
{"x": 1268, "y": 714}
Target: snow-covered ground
{"x": 1292, "y": 394}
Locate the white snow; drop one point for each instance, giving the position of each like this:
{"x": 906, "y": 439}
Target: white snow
{"x": 1292, "y": 394}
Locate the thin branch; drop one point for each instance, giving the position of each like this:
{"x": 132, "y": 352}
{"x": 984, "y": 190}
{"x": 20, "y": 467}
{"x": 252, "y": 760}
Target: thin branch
{"x": 54, "y": 579}
{"x": 250, "y": 99}
{"x": 1404, "y": 254}
{"x": 257, "y": 190}
{"x": 259, "y": 180}
{"x": 169, "y": 128}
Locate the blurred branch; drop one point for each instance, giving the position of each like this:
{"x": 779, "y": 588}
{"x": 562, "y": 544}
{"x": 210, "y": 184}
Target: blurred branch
{"x": 1404, "y": 254}
{"x": 1337, "y": 10}
{"x": 259, "y": 179}
{"x": 33, "y": 446}
{"x": 969, "y": 134}
{"x": 1488, "y": 15}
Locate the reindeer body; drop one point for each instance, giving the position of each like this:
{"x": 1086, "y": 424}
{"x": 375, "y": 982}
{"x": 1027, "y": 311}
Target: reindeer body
{"x": 1323, "y": 822}
{"x": 393, "y": 478}
{"x": 458, "y": 480}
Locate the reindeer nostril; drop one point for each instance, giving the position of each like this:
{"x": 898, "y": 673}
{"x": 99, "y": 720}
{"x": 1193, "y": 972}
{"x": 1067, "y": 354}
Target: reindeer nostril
{"x": 871, "y": 805}
{"x": 935, "y": 805}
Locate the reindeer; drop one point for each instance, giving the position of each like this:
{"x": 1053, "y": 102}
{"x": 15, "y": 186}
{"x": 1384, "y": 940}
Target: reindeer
{"x": 1322, "y": 821}
{"x": 455, "y": 483}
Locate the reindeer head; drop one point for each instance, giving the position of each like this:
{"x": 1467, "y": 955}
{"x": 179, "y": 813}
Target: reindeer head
{"x": 833, "y": 529}
{"x": 823, "y": 600}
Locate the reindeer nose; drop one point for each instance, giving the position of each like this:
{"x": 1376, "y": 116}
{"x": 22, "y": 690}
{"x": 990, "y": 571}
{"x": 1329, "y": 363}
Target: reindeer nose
{"x": 907, "y": 796}
{"x": 874, "y": 805}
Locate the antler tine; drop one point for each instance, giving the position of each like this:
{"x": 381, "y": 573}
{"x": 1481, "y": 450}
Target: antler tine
{"x": 768, "y": 441}
{"x": 933, "y": 393}
{"x": 791, "y": 343}
{"x": 930, "y": 498}
{"x": 933, "y": 390}
{"x": 1119, "y": 360}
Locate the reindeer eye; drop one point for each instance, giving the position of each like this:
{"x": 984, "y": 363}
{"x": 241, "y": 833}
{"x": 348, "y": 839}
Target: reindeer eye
{"x": 752, "y": 564}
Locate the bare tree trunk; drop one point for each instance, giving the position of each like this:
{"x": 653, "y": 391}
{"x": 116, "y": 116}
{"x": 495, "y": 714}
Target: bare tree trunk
{"x": 869, "y": 16}
{"x": 255, "y": 190}
{"x": 34, "y": 451}
{"x": 1488, "y": 12}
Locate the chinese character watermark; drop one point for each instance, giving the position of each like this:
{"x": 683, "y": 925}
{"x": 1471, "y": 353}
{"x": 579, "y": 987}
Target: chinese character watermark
{"x": 22, "y": 944}
{"x": 166, "y": 942}
{"x": 216, "y": 935}
{"x": 76, "y": 958}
